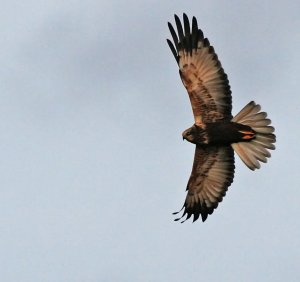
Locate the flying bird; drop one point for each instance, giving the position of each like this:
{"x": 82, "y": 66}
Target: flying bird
{"x": 216, "y": 133}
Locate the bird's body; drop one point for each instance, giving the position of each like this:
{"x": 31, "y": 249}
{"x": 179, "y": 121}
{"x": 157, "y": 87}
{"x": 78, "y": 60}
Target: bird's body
{"x": 219, "y": 133}
{"x": 215, "y": 132}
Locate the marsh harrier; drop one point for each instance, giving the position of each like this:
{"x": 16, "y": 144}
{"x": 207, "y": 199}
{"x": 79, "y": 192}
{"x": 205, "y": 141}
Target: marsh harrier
{"x": 216, "y": 133}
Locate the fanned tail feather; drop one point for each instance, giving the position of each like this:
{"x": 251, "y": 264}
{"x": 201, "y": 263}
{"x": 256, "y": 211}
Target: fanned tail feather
{"x": 257, "y": 149}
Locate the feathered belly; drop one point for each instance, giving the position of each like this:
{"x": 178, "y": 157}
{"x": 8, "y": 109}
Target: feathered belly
{"x": 226, "y": 133}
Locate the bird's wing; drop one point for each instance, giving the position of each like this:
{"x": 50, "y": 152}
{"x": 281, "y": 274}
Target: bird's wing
{"x": 201, "y": 72}
{"x": 212, "y": 174}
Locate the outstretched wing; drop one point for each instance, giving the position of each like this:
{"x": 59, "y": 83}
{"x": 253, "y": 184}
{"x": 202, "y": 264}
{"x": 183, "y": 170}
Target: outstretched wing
{"x": 212, "y": 174}
{"x": 201, "y": 73}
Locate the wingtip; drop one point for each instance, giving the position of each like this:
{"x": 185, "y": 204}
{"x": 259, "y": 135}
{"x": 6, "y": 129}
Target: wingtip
{"x": 204, "y": 216}
{"x": 194, "y": 23}
{"x": 176, "y": 17}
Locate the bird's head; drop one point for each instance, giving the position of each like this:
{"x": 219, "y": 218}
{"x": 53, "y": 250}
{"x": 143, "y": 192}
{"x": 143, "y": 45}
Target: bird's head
{"x": 195, "y": 135}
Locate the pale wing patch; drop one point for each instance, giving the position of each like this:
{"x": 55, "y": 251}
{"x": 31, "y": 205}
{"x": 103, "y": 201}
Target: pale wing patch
{"x": 207, "y": 85}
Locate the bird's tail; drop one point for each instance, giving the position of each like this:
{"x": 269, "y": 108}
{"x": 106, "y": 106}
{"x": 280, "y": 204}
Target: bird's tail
{"x": 256, "y": 150}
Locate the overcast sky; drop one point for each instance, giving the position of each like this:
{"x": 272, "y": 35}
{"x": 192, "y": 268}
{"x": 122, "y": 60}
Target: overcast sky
{"x": 92, "y": 160}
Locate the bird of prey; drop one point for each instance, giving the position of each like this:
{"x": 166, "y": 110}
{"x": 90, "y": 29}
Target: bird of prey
{"x": 216, "y": 133}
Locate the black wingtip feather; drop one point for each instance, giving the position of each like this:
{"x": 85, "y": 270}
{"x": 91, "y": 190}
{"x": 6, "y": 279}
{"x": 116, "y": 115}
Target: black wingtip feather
{"x": 187, "y": 29}
{"x": 179, "y": 28}
{"x": 173, "y": 49}
{"x": 174, "y": 35}
{"x": 196, "y": 216}
{"x": 188, "y": 42}
{"x": 194, "y": 25}
{"x": 206, "y": 42}
{"x": 194, "y": 33}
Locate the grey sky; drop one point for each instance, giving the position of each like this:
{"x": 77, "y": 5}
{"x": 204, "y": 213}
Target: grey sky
{"x": 92, "y": 160}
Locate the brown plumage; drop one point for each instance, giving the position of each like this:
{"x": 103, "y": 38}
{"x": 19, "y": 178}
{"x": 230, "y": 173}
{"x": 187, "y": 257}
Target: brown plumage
{"x": 215, "y": 132}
